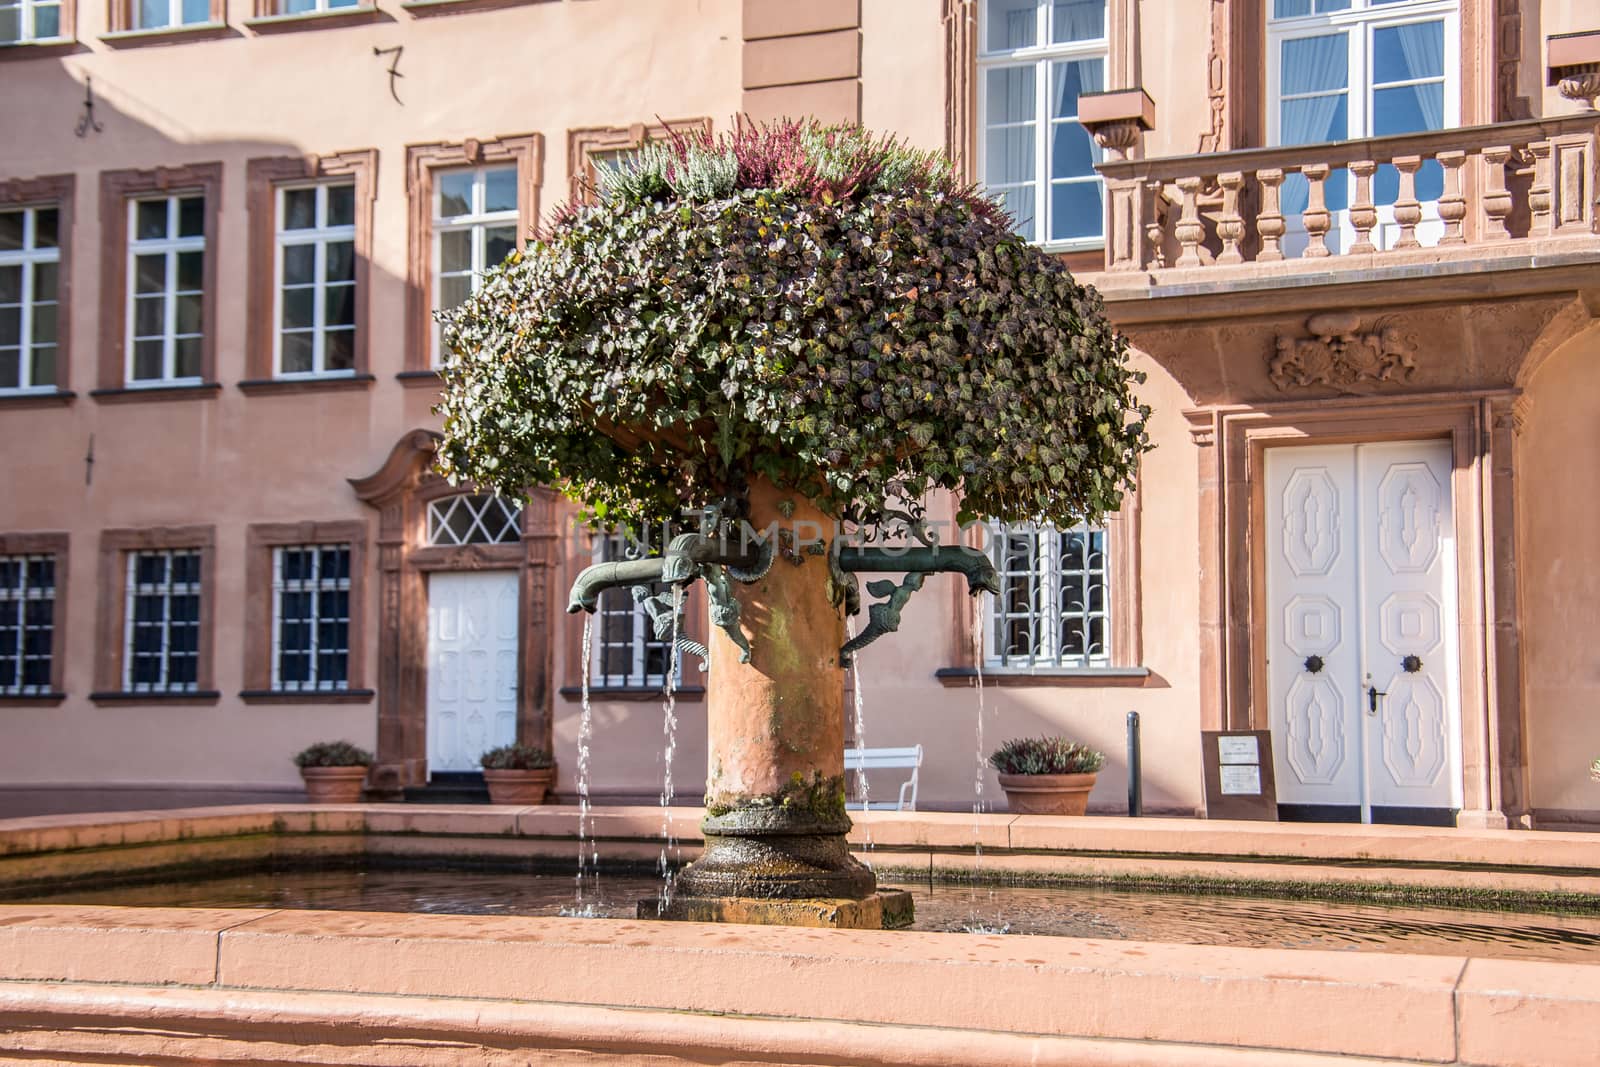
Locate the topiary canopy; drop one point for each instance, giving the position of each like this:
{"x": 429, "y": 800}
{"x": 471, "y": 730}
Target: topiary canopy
{"x": 814, "y": 304}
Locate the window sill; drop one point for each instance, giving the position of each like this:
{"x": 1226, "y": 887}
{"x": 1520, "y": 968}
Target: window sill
{"x": 56, "y": 46}
{"x": 31, "y": 700}
{"x": 315, "y": 20}
{"x": 199, "y": 696}
{"x": 428, "y": 8}
{"x": 632, "y": 693}
{"x": 133, "y": 394}
{"x": 310, "y": 696}
{"x": 320, "y": 384}
{"x": 197, "y": 31}
{"x": 1045, "y": 678}
{"x": 420, "y": 379}
{"x": 44, "y": 398}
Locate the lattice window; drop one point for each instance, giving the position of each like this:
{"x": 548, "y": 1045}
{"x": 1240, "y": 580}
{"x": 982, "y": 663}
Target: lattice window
{"x": 27, "y": 623}
{"x": 1053, "y": 607}
{"x": 474, "y": 519}
{"x": 161, "y": 627}
{"x": 626, "y": 651}
{"x": 310, "y": 617}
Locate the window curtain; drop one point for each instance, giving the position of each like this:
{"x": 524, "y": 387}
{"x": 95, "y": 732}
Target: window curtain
{"x": 1313, "y": 65}
{"x": 1422, "y": 44}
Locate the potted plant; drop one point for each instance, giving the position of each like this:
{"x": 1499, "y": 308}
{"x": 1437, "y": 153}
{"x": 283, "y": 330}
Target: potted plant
{"x": 334, "y": 771}
{"x": 1046, "y": 775}
{"x": 517, "y": 774}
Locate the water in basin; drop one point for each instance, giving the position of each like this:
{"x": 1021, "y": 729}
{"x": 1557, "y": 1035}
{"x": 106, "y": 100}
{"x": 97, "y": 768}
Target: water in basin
{"x": 1063, "y": 912}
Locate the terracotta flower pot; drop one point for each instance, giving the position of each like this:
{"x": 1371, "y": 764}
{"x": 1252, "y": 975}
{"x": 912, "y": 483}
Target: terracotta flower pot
{"x": 334, "y": 785}
{"x": 518, "y": 787}
{"x": 1047, "y": 794}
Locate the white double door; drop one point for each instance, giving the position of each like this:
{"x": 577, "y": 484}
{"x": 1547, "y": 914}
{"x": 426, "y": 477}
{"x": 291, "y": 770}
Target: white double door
{"x": 1362, "y": 669}
{"x": 472, "y": 666}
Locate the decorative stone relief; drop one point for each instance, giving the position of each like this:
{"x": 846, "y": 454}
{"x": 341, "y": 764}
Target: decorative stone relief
{"x": 1338, "y": 354}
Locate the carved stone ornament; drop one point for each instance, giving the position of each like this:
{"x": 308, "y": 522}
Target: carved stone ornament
{"x": 1339, "y": 355}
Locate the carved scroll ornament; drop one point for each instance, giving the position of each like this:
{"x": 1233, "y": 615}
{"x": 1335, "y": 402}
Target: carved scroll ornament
{"x": 1339, "y": 355}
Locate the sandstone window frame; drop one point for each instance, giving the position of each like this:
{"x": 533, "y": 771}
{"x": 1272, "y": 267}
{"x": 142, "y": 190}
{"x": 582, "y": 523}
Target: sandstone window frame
{"x": 264, "y": 177}
{"x": 57, "y": 545}
{"x": 423, "y": 163}
{"x": 260, "y": 609}
{"x": 57, "y": 191}
{"x": 1123, "y": 666}
{"x": 587, "y": 143}
{"x": 117, "y": 547}
{"x": 118, "y": 188}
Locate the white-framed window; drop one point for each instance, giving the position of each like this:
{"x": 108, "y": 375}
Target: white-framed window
{"x": 159, "y": 14}
{"x": 30, "y": 261}
{"x": 310, "y": 618}
{"x": 1035, "y": 57}
{"x": 166, "y": 283}
{"x": 474, "y": 519}
{"x": 27, "y": 623}
{"x": 31, "y": 20}
{"x": 161, "y": 625}
{"x": 1054, "y": 607}
{"x": 625, "y": 651}
{"x": 1340, "y": 70}
{"x": 315, "y": 280}
{"x": 474, "y": 227}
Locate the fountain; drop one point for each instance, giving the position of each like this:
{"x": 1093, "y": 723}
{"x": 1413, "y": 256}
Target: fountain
{"x": 774, "y": 345}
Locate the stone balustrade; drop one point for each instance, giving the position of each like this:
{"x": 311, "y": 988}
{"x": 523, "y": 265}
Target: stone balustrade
{"x": 1504, "y": 189}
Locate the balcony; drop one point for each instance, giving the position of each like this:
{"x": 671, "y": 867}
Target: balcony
{"x": 1505, "y": 197}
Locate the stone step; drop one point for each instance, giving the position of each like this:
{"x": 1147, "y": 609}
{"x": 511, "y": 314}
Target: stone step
{"x": 450, "y": 787}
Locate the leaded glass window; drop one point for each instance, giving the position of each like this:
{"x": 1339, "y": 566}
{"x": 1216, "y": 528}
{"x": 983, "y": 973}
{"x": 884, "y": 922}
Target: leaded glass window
{"x": 474, "y": 519}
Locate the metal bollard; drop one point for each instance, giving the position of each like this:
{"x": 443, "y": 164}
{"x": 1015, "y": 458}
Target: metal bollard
{"x": 1135, "y": 784}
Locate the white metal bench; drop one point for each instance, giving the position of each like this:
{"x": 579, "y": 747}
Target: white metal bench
{"x": 881, "y": 759}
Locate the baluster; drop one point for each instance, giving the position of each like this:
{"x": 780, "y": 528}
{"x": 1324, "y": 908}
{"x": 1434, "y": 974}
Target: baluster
{"x": 1230, "y": 224}
{"x": 1189, "y": 229}
{"x": 1316, "y": 216}
{"x": 1363, "y": 216}
{"x": 1407, "y": 211}
{"x": 1155, "y": 222}
{"x": 1269, "y": 224}
{"x": 1539, "y": 194}
{"x": 1452, "y": 205}
{"x": 1496, "y": 197}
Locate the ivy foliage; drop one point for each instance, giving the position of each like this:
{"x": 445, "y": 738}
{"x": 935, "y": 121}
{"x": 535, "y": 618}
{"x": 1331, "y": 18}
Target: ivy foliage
{"x": 816, "y": 305}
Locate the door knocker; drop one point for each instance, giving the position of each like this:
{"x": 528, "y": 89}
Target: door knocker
{"x": 1314, "y": 664}
{"x": 1412, "y": 664}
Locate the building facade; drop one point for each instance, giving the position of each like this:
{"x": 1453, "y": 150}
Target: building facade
{"x": 1352, "y": 242}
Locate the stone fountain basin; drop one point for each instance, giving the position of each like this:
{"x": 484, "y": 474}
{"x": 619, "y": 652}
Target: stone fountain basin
{"x": 78, "y": 984}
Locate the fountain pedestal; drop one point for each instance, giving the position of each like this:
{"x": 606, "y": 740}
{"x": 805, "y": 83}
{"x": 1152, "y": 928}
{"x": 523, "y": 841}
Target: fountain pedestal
{"x": 775, "y": 825}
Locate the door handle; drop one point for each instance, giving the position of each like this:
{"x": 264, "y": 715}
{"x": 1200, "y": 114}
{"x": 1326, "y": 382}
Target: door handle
{"x": 1372, "y": 699}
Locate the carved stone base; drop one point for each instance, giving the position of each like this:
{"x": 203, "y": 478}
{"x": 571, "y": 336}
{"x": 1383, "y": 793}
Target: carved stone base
{"x": 887, "y": 909}
{"x": 775, "y": 854}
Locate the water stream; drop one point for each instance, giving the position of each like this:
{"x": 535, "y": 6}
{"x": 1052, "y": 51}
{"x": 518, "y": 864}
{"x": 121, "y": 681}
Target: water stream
{"x": 980, "y": 924}
{"x": 863, "y": 791}
{"x": 588, "y": 877}
{"x": 669, "y": 727}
